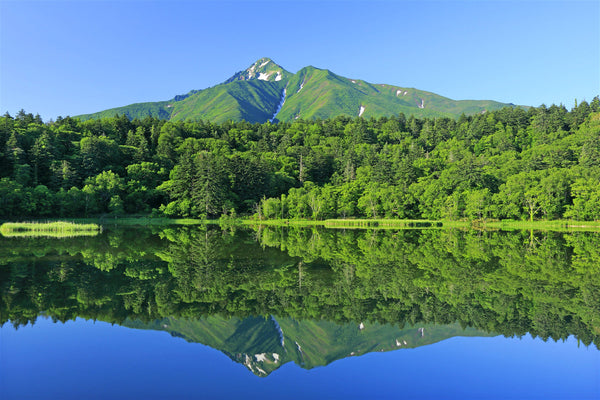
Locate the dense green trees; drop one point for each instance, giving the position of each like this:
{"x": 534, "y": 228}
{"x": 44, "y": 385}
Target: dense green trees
{"x": 540, "y": 163}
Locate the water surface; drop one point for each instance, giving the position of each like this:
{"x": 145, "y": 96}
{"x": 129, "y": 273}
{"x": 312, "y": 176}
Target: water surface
{"x": 209, "y": 313}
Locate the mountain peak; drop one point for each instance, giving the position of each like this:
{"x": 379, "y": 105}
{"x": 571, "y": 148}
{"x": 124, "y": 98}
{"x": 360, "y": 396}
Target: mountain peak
{"x": 263, "y": 69}
{"x": 263, "y": 62}
{"x": 265, "y": 90}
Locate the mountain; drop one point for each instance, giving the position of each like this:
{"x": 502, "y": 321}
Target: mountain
{"x": 264, "y": 344}
{"x": 266, "y": 91}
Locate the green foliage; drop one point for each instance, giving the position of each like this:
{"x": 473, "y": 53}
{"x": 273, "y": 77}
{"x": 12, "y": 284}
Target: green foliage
{"x": 199, "y": 185}
{"x": 506, "y": 164}
{"x": 98, "y": 154}
{"x": 586, "y": 201}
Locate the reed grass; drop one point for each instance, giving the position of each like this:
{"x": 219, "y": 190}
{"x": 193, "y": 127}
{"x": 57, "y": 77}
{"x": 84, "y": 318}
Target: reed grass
{"x": 558, "y": 225}
{"x": 87, "y": 227}
{"x": 58, "y": 229}
{"x": 360, "y": 223}
{"x": 382, "y": 223}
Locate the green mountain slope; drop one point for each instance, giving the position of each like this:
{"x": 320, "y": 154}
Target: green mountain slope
{"x": 265, "y": 344}
{"x": 157, "y": 109}
{"x": 252, "y": 101}
{"x": 317, "y": 93}
{"x": 251, "y": 95}
{"x": 265, "y": 90}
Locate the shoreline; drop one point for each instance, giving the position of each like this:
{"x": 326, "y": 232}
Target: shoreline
{"x": 557, "y": 225}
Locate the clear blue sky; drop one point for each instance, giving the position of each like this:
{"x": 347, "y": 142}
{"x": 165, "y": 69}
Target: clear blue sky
{"x": 74, "y": 57}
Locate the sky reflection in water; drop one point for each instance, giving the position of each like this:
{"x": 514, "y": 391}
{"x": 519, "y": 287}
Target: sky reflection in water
{"x": 544, "y": 283}
{"x": 83, "y": 359}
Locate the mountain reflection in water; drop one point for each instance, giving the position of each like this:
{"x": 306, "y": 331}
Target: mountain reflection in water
{"x": 270, "y": 296}
{"x": 256, "y": 342}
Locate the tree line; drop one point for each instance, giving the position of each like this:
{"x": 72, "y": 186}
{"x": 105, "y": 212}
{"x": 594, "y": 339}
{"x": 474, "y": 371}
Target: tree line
{"x": 539, "y": 163}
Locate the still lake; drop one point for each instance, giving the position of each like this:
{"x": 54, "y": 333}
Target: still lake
{"x": 209, "y": 312}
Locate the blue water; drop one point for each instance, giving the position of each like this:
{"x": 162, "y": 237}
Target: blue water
{"x": 86, "y": 360}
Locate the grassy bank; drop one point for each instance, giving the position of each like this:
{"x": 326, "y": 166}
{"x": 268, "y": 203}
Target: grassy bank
{"x": 362, "y": 223}
{"x": 559, "y": 225}
{"x": 48, "y": 229}
{"x": 74, "y": 225}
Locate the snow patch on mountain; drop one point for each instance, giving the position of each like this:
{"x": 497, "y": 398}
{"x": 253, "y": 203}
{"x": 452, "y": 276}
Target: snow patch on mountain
{"x": 248, "y": 362}
{"x": 278, "y": 77}
{"x": 398, "y": 93}
{"x": 251, "y": 71}
{"x": 301, "y": 85}
{"x": 264, "y": 76}
{"x": 264, "y": 63}
{"x": 360, "y": 112}
{"x": 422, "y": 105}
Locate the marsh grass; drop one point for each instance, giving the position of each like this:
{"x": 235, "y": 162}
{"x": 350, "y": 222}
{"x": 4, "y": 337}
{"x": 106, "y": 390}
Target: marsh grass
{"x": 559, "y": 225}
{"x": 89, "y": 227}
{"x": 58, "y": 229}
{"x": 362, "y": 223}
{"x": 382, "y": 223}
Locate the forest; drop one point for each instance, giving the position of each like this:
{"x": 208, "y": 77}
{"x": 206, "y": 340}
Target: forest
{"x": 513, "y": 163}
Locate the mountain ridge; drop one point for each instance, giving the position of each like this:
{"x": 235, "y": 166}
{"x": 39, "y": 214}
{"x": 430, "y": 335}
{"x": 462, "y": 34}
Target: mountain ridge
{"x": 265, "y": 91}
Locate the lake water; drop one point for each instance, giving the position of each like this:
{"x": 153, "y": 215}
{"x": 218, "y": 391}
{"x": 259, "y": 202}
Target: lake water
{"x": 199, "y": 312}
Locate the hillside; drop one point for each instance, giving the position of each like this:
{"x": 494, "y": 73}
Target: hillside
{"x": 266, "y": 91}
